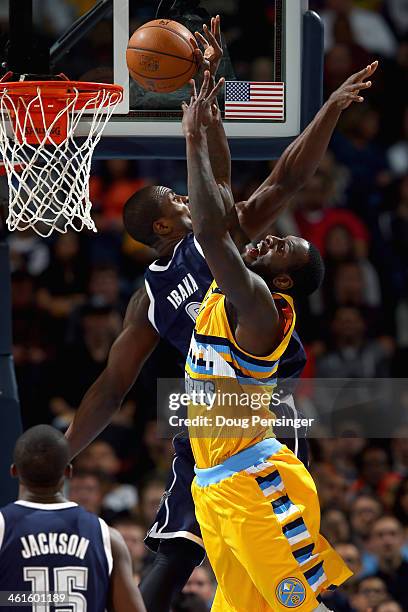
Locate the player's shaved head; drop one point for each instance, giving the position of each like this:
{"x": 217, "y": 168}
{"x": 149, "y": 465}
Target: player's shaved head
{"x": 308, "y": 277}
{"x": 141, "y": 211}
{"x": 41, "y": 456}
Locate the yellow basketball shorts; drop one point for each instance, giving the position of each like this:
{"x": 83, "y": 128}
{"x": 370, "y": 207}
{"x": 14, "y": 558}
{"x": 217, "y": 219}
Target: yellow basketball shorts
{"x": 260, "y": 520}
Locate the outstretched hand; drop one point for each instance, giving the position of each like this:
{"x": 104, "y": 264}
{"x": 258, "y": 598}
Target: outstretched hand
{"x": 212, "y": 53}
{"x": 198, "y": 114}
{"x": 349, "y": 91}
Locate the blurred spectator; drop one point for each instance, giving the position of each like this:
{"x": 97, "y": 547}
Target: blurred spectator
{"x": 63, "y": 283}
{"x": 104, "y": 291}
{"x": 394, "y": 230}
{"x": 155, "y": 454}
{"x": 335, "y": 526}
{"x": 388, "y": 606}
{"x": 341, "y": 248}
{"x": 352, "y": 354}
{"x": 152, "y": 495}
{"x": 364, "y": 511}
{"x": 78, "y": 366}
{"x": 133, "y": 533}
{"x": 346, "y": 449}
{"x": 352, "y": 285}
{"x": 346, "y": 56}
{"x": 375, "y": 475}
{"x": 339, "y": 600}
{"x": 331, "y": 487}
{"x": 387, "y": 541}
{"x": 33, "y": 349}
{"x": 356, "y": 147}
{"x": 315, "y": 218}
{"x": 100, "y": 456}
{"x": 373, "y": 589}
{"x": 351, "y": 555}
{"x": 86, "y": 489}
{"x": 104, "y": 285}
{"x": 32, "y": 342}
{"x": 202, "y": 583}
{"x": 369, "y": 28}
{"x": 338, "y": 67}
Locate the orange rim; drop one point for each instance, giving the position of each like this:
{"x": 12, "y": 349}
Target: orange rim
{"x": 60, "y": 90}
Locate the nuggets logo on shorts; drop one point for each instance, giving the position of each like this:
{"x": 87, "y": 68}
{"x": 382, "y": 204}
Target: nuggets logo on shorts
{"x": 291, "y": 593}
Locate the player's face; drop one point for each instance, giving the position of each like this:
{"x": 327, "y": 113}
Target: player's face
{"x": 175, "y": 208}
{"x": 275, "y": 255}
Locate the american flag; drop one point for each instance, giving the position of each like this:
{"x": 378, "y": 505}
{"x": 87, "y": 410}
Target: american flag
{"x": 246, "y": 100}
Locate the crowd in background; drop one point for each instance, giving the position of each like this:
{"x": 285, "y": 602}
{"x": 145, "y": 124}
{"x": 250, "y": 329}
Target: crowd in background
{"x": 70, "y": 294}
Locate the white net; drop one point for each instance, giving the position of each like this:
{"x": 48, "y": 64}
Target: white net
{"x": 51, "y": 189}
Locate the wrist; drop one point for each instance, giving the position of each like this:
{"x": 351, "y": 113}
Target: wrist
{"x": 195, "y": 135}
{"x": 333, "y": 105}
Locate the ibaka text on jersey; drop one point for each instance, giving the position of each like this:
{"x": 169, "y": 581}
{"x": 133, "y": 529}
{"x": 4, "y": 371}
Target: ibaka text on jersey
{"x": 183, "y": 291}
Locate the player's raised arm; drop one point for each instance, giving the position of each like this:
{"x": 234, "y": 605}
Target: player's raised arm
{"x": 210, "y": 58}
{"x": 124, "y": 594}
{"x": 126, "y": 358}
{"x": 244, "y": 290}
{"x": 301, "y": 159}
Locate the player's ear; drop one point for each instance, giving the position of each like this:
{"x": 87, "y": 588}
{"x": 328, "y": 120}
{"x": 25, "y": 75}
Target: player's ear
{"x": 162, "y": 227}
{"x": 282, "y": 282}
{"x": 13, "y": 471}
{"x": 68, "y": 471}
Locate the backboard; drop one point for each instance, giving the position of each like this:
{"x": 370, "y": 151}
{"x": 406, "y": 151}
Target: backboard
{"x": 264, "y": 41}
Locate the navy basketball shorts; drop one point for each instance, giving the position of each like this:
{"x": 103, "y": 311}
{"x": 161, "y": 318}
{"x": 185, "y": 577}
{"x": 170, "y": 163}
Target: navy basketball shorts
{"x": 176, "y": 517}
{"x": 176, "y": 514}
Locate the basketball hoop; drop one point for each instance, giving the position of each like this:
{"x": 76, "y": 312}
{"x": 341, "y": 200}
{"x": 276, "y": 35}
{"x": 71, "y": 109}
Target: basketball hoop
{"x": 47, "y": 166}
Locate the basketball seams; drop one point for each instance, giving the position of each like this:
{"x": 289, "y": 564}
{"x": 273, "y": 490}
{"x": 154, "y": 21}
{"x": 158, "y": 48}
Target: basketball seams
{"x": 163, "y": 27}
{"x": 172, "y": 78}
{"x": 184, "y": 59}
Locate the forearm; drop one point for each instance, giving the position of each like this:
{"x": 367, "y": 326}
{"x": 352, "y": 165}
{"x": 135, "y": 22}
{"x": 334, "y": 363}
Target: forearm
{"x": 295, "y": 167}
{"x": 207, "y": 209}
{"x": 300, "y": 160}
{"x": 93, "y": 415}
{"x": 219, "y": 152}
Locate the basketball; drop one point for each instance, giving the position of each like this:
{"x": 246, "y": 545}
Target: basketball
{"x": 160, "y": 56}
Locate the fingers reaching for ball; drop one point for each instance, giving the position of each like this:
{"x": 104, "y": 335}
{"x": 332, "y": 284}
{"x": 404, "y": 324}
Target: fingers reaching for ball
{"x": 202, "y": 110}
{"x": 211, "y": 44}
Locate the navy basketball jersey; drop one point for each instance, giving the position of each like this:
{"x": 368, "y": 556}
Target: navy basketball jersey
{"x": 55, "y": 548}
{"x": 176, "y": 286}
